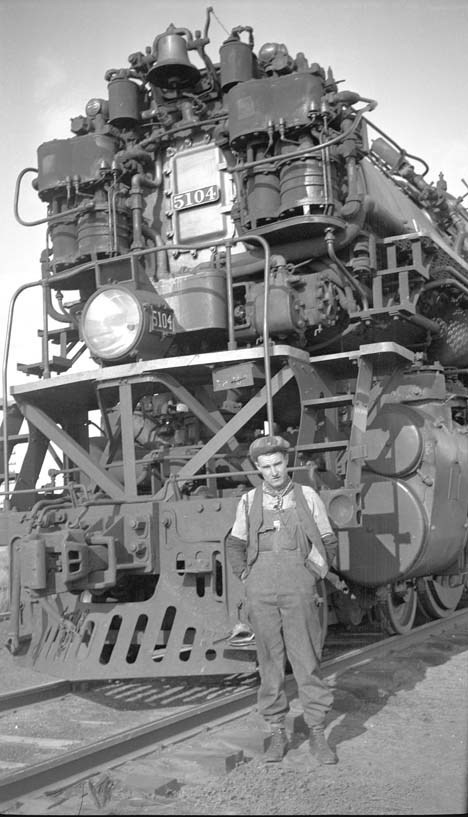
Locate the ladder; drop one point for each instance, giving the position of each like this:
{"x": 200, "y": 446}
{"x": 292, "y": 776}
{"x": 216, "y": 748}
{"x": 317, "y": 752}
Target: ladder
{"x": 14, "y": 421}
{"x": 355, "y": 381}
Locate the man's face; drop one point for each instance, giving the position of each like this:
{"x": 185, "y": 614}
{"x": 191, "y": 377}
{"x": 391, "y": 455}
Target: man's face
{"x": 273, "y": 468}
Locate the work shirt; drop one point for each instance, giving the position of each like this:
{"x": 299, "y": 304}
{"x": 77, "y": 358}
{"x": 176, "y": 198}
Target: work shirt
{"x": 270, "y": 503}
{"x": 279, "y": 527}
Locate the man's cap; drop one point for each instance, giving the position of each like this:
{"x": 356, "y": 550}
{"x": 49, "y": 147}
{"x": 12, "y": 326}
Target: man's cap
{"x": 267, "y": 445}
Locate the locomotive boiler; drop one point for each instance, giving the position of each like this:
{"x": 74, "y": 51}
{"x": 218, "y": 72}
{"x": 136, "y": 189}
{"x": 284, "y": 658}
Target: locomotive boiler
{"x": 238, "y": 250}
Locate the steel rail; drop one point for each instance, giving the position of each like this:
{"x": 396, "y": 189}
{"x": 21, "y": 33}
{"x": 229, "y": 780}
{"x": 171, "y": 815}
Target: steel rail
{"x": 76, "y": 765}
{"x": 27, "y": 696}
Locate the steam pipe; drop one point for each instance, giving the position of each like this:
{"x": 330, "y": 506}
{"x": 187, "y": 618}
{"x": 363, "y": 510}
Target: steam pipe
{"x": 53, "y": 313}
{"x": 140, "y": 180}
{"x": 400, "y": 149}
{"x": 245, "y": 264}
{"x": 49, "y": 219}
{"x": 266, "y": 333}
{"x": 266, "y": 327}
{"x": 162, "y": 268}
{"x": 353, "y": 282}
{"x": 230, "y": 301}
{"x": 15, "y": 598}
{"x": 45, "y": 336}
{"x": 444, "y": 283}
{"x": 462, "y": 279}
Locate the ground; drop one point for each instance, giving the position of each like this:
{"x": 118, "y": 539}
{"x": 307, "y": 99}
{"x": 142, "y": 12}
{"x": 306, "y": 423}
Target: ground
{"x": 399, "y": 725}
{"x": 401, "y": 750}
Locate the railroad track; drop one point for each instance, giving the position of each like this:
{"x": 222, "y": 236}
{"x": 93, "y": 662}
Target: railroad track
{"x": 164, "y": 715}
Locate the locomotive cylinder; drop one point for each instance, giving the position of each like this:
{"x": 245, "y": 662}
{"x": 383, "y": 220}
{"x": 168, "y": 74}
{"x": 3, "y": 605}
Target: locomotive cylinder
{"x": 263, "y": 194}
{"x": 302, "y": 184}
{"x": 415, "y": 502}
{"x": 94, "y": 235}
{"x": 64, "y": 241}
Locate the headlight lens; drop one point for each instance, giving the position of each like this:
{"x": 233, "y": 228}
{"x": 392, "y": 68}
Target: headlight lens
{"x": 112, "y": 323}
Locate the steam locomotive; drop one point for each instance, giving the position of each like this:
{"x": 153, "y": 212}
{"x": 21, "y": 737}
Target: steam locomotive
{"x": 240, "y": 251}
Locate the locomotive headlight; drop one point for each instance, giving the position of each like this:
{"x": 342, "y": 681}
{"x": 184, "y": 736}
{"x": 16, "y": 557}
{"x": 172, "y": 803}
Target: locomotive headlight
{"x": 119, "y": 323}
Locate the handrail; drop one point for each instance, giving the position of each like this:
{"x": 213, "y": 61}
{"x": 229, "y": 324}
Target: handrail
{"x": 6, "y": 351}
{"x": 47, "y": 282}
{"x": 51, "y": 219}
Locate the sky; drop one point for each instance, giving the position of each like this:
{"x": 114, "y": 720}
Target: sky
{"x": 409, "y": 55}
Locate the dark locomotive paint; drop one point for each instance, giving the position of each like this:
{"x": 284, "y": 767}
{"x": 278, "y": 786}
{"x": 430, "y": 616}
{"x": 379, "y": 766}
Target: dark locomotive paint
{"x": 241, "y": 250}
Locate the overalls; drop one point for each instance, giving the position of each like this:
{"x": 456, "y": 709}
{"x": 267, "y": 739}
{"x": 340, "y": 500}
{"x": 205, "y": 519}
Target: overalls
{"x": 281, "y": 605}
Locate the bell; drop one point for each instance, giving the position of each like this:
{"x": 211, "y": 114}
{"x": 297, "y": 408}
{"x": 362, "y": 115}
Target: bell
{"x": 173, "y": 67}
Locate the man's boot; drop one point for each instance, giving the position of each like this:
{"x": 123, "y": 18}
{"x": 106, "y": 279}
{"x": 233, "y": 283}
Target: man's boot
{"x": 278, "y": 745}
{"x": 319, "y": 747}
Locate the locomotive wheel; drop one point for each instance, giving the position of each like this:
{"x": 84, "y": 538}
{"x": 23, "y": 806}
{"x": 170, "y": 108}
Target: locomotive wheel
{"x": 397, "y": 608}
{"x": 436, "y": 598}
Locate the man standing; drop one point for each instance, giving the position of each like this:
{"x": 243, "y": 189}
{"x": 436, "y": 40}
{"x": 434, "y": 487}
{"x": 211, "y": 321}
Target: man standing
{"x": 281, "y": 543}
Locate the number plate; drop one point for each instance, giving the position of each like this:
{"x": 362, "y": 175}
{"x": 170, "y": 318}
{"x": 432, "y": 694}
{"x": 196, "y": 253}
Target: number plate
{"x": 161, "y": 321}
{"x": 194, "y": 198}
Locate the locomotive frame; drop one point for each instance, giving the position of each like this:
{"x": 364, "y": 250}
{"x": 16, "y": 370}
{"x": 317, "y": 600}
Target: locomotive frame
{"x": 236, "y": 274}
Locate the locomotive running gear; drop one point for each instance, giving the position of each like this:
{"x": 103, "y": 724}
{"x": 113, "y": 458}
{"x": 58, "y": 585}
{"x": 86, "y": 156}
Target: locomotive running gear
{"x": 247, "y": 249}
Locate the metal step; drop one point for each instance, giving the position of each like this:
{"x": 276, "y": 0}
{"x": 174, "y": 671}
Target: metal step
{"x": 331, "y": 401}
{"x": 14, "y": 421}
{"x": 69, "y": 334}
{"x": 326, "y": 445}
{"x": 16, "y": 439}
{"x": 57, "y": 364}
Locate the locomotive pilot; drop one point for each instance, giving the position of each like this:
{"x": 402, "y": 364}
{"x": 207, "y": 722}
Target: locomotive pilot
{"x": 281, "y": 543}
